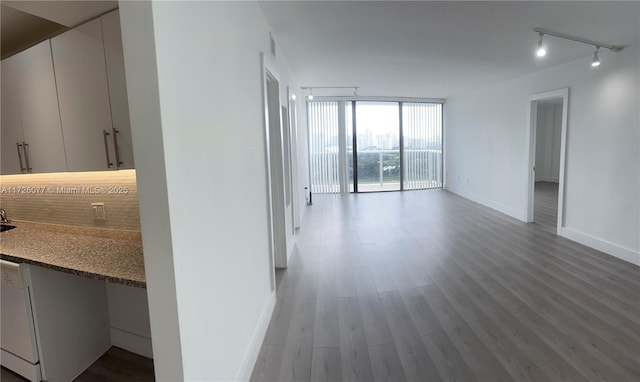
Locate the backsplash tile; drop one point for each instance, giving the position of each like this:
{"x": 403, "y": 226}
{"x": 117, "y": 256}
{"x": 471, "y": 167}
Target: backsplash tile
{"x": 65, "y": 198}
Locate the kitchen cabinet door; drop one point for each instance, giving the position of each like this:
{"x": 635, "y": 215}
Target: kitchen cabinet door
{"x": 83, "y": 93}
{"x": 119, "y": 101}
{"x": 11, "y": 128}
{"x": 30, "y": 113}
{"x": 39, "y": 110}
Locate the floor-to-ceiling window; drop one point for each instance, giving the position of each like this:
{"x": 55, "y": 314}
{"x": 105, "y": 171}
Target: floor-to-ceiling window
{"x": 324, "y": 147}
{"x": 377, "y": 132}
{"x": 422, "y": 145}
{"x": 368, "y": 146}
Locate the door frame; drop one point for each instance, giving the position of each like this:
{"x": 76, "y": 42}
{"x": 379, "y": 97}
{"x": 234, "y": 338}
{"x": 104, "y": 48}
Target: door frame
{"x": 532, "y": 114}
{"x": 271, "y": 73}
{"x": 293, "y": 136}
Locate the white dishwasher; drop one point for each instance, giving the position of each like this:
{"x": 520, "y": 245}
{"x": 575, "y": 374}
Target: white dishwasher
{"x": 17, "y": 330}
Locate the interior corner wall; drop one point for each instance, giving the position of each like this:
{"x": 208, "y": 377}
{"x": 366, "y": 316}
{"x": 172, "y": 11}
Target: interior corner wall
{"x": 209, "y": 81}
{"x": 548, "y": 137}
{"x": 486, "y": 159}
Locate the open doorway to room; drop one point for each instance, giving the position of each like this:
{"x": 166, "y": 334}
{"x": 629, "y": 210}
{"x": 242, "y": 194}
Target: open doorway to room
{"x": 275, "y": 161}
{"x": 547, "y": 165}
{"x": 546, "y": 159}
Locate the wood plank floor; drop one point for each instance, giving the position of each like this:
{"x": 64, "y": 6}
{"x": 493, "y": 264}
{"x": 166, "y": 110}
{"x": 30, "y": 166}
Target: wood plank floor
{"x": 426, "y": 286}
{"x": 116, "y": 365}
{"x": 545, "y": 206}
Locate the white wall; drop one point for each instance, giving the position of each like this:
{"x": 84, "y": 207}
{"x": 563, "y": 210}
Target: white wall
{"x": 211, "y": 125}
{"x": 288, "y": 80}
{"x": 136, "y": 21}
{"x": 303, "y": 155}
{"x": 486, "y": 149}
{"x": 548, "y": 135}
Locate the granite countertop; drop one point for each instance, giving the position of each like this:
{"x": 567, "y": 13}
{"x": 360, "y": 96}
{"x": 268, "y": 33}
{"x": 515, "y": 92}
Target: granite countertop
{"x": 104, "y": 254}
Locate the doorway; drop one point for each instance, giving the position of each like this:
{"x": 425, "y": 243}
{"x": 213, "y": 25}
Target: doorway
{"x": 546, "y": 164}
{"x": 275, "y": 162}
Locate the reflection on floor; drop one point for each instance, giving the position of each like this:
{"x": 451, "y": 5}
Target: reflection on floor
{"x": 426, "y": 285}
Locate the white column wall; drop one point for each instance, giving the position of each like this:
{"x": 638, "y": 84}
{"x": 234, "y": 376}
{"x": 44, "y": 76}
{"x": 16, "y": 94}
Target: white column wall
{"x": 203, "y": 199}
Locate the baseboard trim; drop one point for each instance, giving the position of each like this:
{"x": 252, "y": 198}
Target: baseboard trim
{"x": 132, "y": 342}
{"x": 256, "y": 341}
{"x": 488, "y": 203}
{"x": 607, "y": 247}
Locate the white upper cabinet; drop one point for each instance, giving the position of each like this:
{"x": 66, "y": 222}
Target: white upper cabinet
{"x": 65, "y": 105}
{"x": 10, "y": 156}
{"x": 31, "y": 133}
{"x": 83, "y": 93}
{"x": 114, "y": 56}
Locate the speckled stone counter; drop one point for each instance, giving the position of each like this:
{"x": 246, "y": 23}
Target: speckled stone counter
{"x": 105, "y": 254}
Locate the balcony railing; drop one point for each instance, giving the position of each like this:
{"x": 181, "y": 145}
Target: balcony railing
{"x": 379, "y": 170}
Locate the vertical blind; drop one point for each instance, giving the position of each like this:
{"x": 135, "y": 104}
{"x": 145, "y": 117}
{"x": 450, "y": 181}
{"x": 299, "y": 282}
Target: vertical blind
{"x": 421, "y": 145}
{"x": 422, "y": 139}
{"x": 323, "y": 146}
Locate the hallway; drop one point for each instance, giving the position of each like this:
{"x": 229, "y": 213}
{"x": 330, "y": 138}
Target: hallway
{"x": 545, "y": 206}
{"x": 426, "y": 285}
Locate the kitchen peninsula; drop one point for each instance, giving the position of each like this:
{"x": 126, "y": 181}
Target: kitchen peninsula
{"x": 103, "y": 254}
{"x": 81, "y": 289}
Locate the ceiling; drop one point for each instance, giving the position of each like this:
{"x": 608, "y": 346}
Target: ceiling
{"x": 66, "y": 12}
{"x": 21, "y": 30}
{"x": 437, "y": 49}
{"x": 26, "y": 23}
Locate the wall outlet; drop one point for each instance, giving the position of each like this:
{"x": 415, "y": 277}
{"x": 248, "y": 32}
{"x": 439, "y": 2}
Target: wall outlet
{"x": 98, "y": 211}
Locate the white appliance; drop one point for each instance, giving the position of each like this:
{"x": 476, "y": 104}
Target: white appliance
{"x": 17, "y": 329}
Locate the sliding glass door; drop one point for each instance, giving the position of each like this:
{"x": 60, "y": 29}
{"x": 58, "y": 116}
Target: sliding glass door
{"x": 367, "y": 146}
{"x": 378, "y": 146}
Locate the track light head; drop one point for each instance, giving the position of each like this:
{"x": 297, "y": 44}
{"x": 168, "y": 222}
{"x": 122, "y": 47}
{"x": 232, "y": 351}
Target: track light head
{"x": 596, "y": 60}
{"x": 542, "y": 50}
{"x": 293, "y": 97}
{"x": 310, "y": 96}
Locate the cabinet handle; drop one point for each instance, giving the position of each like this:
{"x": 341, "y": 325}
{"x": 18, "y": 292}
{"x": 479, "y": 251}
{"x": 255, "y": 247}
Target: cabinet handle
{"x": 22, "y": 169}
{"x": 106, "y": 148}
{"x": 115, "y": 145}
{"x": 25, "y": 148}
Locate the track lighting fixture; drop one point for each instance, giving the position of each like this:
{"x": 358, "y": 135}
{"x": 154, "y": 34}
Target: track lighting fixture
{"x": 310, "y": 96}
{"x": 596, "y": 60}
{"x": 541, "y": 51}
{"x": 293, "y": 97}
